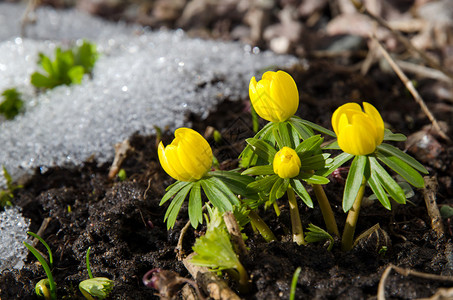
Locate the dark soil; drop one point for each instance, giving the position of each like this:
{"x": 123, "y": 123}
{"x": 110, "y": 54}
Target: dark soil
{"x": 122, "y": 221}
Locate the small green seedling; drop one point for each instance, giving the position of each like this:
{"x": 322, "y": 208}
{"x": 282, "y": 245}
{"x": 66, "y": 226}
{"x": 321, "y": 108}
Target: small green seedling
{"x": 68, "y": 67}
{"x": 214, "y": 250}
{"x": 6, "y": 196}
{"x": 12, "y": 103}
{"x": 95, "y": 287}
{"x": 317, "y": 234}
{"x": 45, "y": 288}
{"x": 292, "y": 293}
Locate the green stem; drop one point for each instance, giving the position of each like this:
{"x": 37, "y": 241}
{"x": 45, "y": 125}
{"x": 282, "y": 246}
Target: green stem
{"x": 88, "y": 263}
{"x": 351, "y": 220}
{"x": 326, "y": 210}
{"x": 262, "y": 227}
{"x": 277, "y": 209}
{"x": 296, "y": 224}
{"x": 244, "y": 283}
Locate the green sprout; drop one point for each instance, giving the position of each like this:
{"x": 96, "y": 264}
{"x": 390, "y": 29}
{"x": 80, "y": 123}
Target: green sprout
{"x": 44, "y": 288}
{"x": 215, "y": 250}
{"x": 317, "y": 234}
{"x": 273, "y": 181}
{"x": 68, "y": 67}
{"x": 292, "y": 293}
{"x": 95, "y": 287}
{"x": 360, "y": 135}
{"x": 6, "y": 196}
{"x": 12, "y": 103}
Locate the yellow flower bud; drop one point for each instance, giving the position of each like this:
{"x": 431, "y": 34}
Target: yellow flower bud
{"x": 188, "y": 157}
{"x": 275, "y": 97}
{"x": 286, "y": 163}
{"x": 358, "y": 132}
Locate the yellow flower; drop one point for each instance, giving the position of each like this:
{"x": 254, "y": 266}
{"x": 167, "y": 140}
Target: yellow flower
{"x": 275, "y": 97}
{"x": 358, "y": 132}
{"x": 286, "y": 163}
{"x": 188, "y": 157}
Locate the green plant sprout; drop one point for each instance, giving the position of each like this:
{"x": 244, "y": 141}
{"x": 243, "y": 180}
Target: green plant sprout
{"x": 360, "y": 134}
{"x": 284, "y": 171}
{"x": 12, "y": 104}
{"x": 292, "y": 292}
{"x": 188, "y": 159}
{"x": 68, "y": 67}
{"x": 317, "y": 234}
{"x": 275, "y": 98}
{"x": 45, "y": 288}
{"x": 95, "y": 287}
{"x": 6, "y": 196}
{"x": 214, "y": 250}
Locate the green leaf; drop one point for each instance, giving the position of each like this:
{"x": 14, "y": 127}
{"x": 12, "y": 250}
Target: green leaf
{"x": 403, "y": 169}
{"x": 173, "y": 189}
{"x": 317, "y": 127}
{"x": 312, "y": 178}
{"x": 236, "y": 182}
{"x": 389, "y": 149}
{"x": 12, "y": 103}
{"x": 354, "y": 181}
{"x": 303, "y": 131}
{"x": 379, "y": 191}
{"x": 446, "y": 211}
{"x": 215, "y": 250}
{"x": 314, "y": 162}
{"x": 337, "y": 162}
{"x": 262, "y": 148}
{"x": 41, "y": 81}
{"x": 195, "y": 206}
{"x": 76, "y": 74}
{"x": 317, "y": 234}
{"x": 285, "y": 134}
{"x": 310, "y": 146}
{"x": 175, "y": 206}
{"x": 331, "y": 145}
{"x": 86, "y": 56}
{"x": 263, "y": 184}
{"x": 300, "y": 190}
{"x": 395, "y": 137}
{"x": 259, "y": 170}
{"x": 278, "y": 189}
{"x": 217, "y": 196}
{"x": 389, "y": 184}
{"x": 232, "y": 198}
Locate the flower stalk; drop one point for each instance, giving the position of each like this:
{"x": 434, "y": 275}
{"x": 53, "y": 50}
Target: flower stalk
{"x": 326, "y": 209}
{"x": 296, "y": 224}
{"x": 262, "y": 227}
{"x": 351, "y": 220}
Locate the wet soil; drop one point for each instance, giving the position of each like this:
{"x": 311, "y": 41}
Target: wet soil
{"x": 122, "y": 221}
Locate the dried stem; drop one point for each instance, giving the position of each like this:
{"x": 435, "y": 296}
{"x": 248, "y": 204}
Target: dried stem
{"x": 401, "y": 38}
{"x": 429, "y": 194}
{"x": 214, "y": 287}
{"x": 411, "y": 89}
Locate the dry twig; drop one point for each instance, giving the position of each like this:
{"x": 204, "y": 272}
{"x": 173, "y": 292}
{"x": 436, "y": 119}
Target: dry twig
{"x": 411, "y": 89}
{"x": 212, "y": 285}
{"x": 235, "y": 233}
{"x": 401, "y": 38}
{"x": 406, "y": 272}
{"x": 429, "y": 194}
{"x": 179, "y": 250}
{"x": 121, "y": 150}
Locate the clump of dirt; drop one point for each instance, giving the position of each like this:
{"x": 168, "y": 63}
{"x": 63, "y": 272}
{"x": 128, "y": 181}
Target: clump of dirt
{"x": 123, "y": 224}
